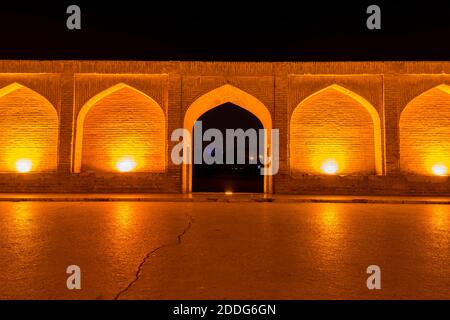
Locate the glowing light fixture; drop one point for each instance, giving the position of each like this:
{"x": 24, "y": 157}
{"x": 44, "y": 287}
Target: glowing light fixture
{"x": 228, "y": 193}
{"x": 23, "y": 165}
{"x": 126, "y": 165}
{"x": 329, "y": 166}
{"x": 439, "y": 169}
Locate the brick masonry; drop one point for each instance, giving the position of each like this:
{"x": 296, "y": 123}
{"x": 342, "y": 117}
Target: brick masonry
{"x": 58, "y": 90}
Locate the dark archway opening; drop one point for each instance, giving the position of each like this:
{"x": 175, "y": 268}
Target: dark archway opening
{"x": 226, "y": 177}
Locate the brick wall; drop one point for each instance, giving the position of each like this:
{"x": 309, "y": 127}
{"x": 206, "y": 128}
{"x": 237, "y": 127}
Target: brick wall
{"x": 425, "y": 132}
{"x": 125, "y": 125}
{"x": 332, "y": 127}
{"x": 29, "y": 130}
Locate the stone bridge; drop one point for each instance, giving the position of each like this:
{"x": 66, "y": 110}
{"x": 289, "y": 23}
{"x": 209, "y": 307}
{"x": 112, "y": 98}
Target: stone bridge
{"x": 383, "y": 126}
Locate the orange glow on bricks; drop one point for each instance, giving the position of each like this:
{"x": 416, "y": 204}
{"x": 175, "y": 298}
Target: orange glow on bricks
{"x": 116, "y": 122}
{"x": 126, "y": 165}
{"x": 29, "y": 131}
{"x": 23, "y": 165}
{"x": 335, "y": 123}
{"x": 424, "y": 133}
{"x": 440, "y": 169}
{"x": 329, "y": 166}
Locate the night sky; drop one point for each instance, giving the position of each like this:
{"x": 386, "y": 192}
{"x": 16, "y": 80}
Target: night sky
{"x": 149, "y": 30}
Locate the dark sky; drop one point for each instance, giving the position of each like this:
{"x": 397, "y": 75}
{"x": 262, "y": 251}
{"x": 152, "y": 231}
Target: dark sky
{"x": 214, "y": 30}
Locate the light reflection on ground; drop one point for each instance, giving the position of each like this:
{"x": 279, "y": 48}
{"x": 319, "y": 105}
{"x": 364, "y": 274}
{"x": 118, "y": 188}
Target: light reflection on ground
{"x": 231, "y": 250}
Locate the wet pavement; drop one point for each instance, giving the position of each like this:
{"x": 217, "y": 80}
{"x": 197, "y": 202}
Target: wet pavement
{"x": 220, "y": 250}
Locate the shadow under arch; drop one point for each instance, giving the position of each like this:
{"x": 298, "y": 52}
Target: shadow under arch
{"x": 215, "y": 98}
{"x": 367, "y": 106}
{"x": 39, "y": 144}
{"x": 79, "y": 130}
{"x": 424, "y": 137}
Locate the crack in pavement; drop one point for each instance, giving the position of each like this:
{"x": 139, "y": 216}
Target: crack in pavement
{"x": 148, "y": 255}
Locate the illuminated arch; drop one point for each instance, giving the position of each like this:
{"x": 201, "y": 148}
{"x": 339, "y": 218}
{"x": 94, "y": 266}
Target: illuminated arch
{"x": 120, "y": 122}
{"x": 29, "y": 130}
{"x": 335, "y": 125}
{"x": 215, "y": 98}
{"x": 425, "y": 132}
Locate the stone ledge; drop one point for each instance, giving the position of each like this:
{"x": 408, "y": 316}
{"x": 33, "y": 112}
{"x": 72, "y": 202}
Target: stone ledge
{"x": 219, "y": 197}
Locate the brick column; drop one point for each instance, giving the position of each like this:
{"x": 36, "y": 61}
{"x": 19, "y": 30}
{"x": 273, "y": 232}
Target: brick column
{"x": 175, "y": 117}
{"x": 66, "y": 122}
{"x": 392, "y": 138}
{"x": 280, "y": 120}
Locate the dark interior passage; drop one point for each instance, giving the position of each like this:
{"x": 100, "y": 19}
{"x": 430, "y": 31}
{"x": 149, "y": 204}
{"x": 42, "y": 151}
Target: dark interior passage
{"x": 229, "y": 177}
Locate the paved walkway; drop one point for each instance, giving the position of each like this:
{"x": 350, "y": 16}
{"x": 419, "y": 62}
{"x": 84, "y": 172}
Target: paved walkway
{"x": 218, "y": 250}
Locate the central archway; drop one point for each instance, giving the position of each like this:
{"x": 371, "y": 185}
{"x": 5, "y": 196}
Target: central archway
{"x": 219, "y": 96}
{"x": 229, "y": 177}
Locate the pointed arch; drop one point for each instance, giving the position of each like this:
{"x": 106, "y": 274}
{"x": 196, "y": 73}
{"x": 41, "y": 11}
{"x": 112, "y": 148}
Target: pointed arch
{"x": 120, "y": 122}
{"x": 223, "y": 94}
{"x": 215, "y": 98}
{"x": 335, "y": 124}
{"x": 424, "y": 129}
{"x": 29, "y": 125}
